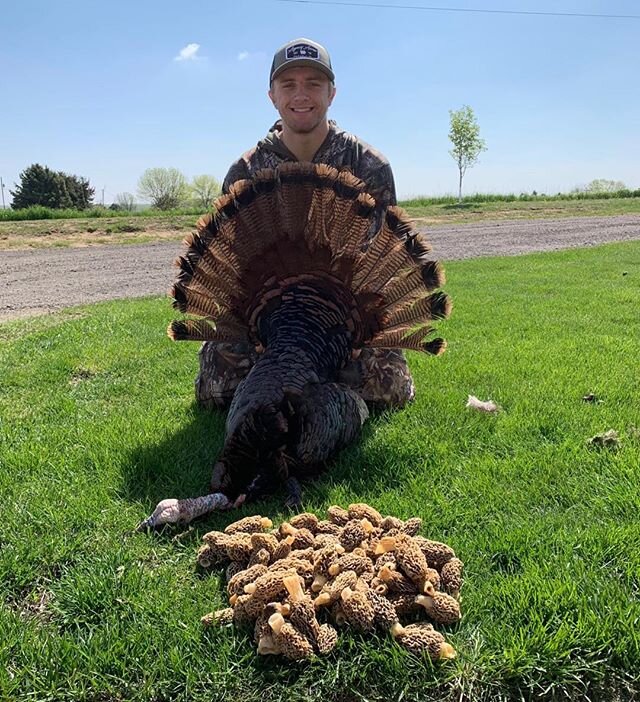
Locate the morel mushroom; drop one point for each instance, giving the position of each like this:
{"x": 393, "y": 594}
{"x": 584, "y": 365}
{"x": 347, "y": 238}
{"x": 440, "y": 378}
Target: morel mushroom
{"x": 440, "y": 607}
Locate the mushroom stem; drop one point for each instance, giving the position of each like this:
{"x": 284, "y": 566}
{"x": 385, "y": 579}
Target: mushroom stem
{"x": 396, "y": 629}
{"x": 318, "y": 582}
{"x": 386, "y": 544}
{"x": 367, "y": 525}
{"x": 447, "y": 651}
{"x": 292, "y": 583}
{"x": 386, "y": 573}
{"x": 276, "y": 622}
{"x": 324, "y": 598}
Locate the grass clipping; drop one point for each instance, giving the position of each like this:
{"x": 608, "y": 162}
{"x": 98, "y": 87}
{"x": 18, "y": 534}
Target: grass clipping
{"x": 297, "y": 584}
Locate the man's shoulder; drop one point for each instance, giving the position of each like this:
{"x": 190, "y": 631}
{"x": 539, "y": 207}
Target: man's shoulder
{"x": 359, "y": 147}
{"x": 262, "y": 155}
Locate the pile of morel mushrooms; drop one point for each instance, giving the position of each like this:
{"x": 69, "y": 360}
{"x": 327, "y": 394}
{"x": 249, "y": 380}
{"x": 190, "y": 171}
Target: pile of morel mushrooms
{"x": 296, "y": 584}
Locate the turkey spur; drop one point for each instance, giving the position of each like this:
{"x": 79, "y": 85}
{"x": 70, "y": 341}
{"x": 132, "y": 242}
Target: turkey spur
{"x": 285, "y": 262}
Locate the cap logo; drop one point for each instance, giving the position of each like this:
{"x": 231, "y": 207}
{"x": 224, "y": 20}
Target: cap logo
{"x": 302, "y": 51}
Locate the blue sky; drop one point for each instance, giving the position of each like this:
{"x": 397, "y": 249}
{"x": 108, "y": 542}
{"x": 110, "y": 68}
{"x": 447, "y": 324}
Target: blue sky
{"x": 95, "y": 89}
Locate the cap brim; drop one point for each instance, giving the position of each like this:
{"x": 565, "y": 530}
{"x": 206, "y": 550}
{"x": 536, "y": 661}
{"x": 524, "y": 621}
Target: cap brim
{"x": 306, "y": 62}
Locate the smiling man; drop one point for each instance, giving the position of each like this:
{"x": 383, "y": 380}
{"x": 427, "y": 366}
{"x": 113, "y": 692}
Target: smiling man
{"x": 302, "y": 88}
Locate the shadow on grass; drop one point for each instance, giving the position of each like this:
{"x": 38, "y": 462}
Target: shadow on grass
{"x": 459, "y": 206}
{"x": 180, "y": 466}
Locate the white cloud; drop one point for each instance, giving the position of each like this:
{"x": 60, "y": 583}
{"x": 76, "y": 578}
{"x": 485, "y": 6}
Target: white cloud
{"x": 188, "y": 53}
{"x": 243, "y": 55}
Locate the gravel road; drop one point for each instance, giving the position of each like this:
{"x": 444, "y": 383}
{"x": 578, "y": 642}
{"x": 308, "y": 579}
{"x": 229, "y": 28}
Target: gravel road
{"x": 44, "y": 280}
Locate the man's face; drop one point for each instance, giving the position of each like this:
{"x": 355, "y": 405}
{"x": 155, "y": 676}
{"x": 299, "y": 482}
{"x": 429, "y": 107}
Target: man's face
{"x": 302, "y": 97}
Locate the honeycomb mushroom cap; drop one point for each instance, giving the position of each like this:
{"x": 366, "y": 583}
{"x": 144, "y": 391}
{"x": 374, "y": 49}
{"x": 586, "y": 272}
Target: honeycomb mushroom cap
{"x": 261, "y": 541}
{"x": 436, "y": 553}
{"x": 236, "y": 584}
{"x": 358, "y": 609}
{"x": 260, "y": 556}
{"x": 360, "y": 510}
{"x": 411, "y": 560}
{"x": 238, "y": 547}
{"x": 353, "y": 534}
{"x": 384, "y": 613}
{"x": 355, "y": 561}
{"x": 412, "y": 526}
{"x": 440, "y": 607}
{"x": 397, "y": 581}
{"x": 326, "y": 528}
{"x": 290, "y": 642}
{"x": 306, "y": 520}
{"x": 338, "y": 515}
{"x": 451, "y": 576}
{"x": 220, "y": 617}
{"x": 248, "y": 525}
{"x": 418, "y": 639}
{"x": 326, "y": 639}
{"x": 391, "y": 523}
{"x": 269, "y": 586}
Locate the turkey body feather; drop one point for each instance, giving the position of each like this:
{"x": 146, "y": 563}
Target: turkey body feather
{"x": 286, "y": 262}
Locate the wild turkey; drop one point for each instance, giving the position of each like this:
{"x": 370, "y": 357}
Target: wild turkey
{"x": 285, "y": 262}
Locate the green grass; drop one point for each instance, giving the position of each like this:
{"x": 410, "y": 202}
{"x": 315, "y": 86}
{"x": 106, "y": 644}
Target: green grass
{"x": 97, "y": 424}
{"x": 434, "y": 212}
{"x": 36, "y": 212}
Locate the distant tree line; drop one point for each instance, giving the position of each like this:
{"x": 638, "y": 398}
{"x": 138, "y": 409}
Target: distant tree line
{"x": 168, "y": 188}
{"x": 165, "y": 188}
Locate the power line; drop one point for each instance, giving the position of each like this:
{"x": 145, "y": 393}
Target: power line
{"x": 460, "y": 9}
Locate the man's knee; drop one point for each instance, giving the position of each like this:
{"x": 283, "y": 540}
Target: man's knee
{"x": 381, "y": 377}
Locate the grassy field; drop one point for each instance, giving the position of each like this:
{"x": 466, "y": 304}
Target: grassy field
{"x": 138, "y": 229}
{"x": 97, "y": 423}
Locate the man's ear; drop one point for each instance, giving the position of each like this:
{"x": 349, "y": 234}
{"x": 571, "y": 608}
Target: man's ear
{"x": 332, "y": 92}
{"x": 271, "y": 97}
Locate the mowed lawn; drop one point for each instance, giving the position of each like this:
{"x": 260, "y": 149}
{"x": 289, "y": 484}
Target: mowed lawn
{"x": 98, "y": 423}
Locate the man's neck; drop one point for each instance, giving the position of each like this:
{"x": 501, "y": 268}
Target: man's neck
{"x": 304, "y": 146}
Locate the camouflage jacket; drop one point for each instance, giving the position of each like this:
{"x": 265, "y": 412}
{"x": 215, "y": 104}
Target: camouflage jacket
{"x": 340, "y": 150}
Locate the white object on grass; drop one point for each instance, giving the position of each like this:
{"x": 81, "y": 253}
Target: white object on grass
{"x": 482, "y": 405}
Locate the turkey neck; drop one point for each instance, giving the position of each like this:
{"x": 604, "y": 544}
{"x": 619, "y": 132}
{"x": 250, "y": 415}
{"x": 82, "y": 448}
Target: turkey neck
{"x": 308, "y": 326}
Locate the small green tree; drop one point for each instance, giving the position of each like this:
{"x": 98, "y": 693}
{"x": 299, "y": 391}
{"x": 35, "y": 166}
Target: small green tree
{"x": 39, "y": 185}
{"x": 204, "y": 189}
{"x": 165, "y": 187}
{"x": 464, "y": 134}
{"x": 602, "y": 185}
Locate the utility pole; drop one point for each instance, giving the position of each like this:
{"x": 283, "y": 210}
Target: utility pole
{"x": 103, "y": 195}
{"x": 2, "y": 188}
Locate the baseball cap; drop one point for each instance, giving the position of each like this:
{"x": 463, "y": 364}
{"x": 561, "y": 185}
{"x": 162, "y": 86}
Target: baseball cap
{"x": 301, "y": 52}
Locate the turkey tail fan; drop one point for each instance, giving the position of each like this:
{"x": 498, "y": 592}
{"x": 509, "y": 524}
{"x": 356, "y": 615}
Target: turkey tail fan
{"x": 305, "y": 229}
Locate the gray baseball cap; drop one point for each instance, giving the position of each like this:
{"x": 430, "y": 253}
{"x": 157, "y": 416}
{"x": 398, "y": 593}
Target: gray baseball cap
{"x": 301, "y": 52}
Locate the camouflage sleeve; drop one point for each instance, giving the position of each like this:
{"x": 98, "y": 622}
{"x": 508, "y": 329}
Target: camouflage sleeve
{"x": 382, "y": 186}
{"x": 237, "y": 171}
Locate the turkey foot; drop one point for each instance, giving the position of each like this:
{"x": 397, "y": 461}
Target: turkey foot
{"x": 294, "y": 494}
{"x": 172, "y": 511}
